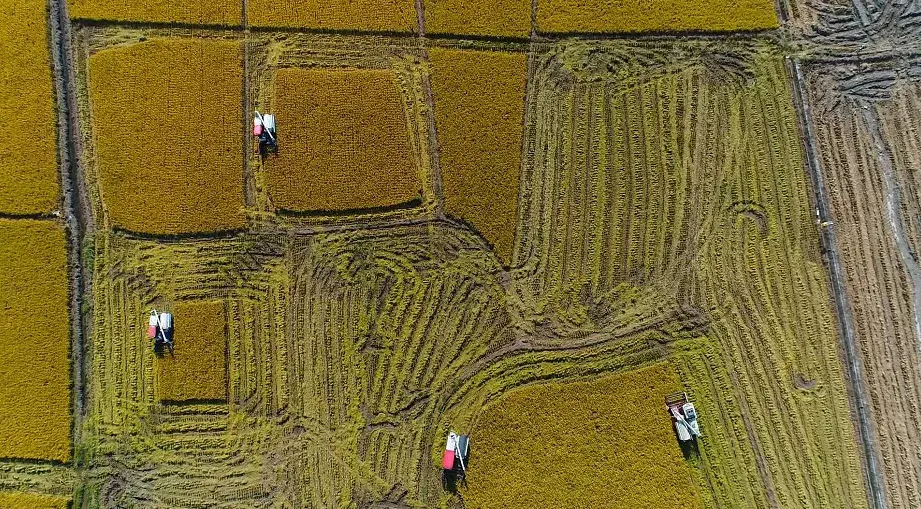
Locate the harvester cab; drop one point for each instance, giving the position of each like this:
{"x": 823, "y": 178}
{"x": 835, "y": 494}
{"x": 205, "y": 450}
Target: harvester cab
{"x": 454, "y": 459}
{"x": 266, "y": 136}
{"x": 683, "y": 415}
{"x": 160, "y": 330}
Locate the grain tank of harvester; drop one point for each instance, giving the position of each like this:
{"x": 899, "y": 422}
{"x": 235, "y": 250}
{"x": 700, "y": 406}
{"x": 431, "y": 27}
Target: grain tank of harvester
{"x": 265, "y": 133}
{"x": 683, "y": 415}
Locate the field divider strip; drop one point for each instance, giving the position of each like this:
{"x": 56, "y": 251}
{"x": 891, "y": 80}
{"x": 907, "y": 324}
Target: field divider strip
{"x": 842, "y": 304}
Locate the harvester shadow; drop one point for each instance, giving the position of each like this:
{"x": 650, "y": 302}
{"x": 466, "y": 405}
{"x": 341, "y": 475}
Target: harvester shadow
{"x": 689, "y": 449}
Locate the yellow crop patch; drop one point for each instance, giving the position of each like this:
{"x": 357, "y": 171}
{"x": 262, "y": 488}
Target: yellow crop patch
{"x": 364, "y": 15}
{"x": 654, "y": 15}
{"x": 18, "y": 500}
{"x": 34, "y": 342}
{"x": 167, "y": 124}
{"x": 347, "y": 142}
{"x": 479, "y": 113}
{"x": 197, "y": 368}
{"x": 208, "y": 12}
{"x": 604, "y": 444}
{"x": 509, "y": 18}
{"x": 28, "y": 162}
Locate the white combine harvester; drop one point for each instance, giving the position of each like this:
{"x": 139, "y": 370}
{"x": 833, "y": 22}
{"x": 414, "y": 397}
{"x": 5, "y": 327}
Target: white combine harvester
{"x": 160, "y": 329}
{"x": 457, "y": 452}
{"x": 684, "y": 415}
{"x": 264, "y": 131}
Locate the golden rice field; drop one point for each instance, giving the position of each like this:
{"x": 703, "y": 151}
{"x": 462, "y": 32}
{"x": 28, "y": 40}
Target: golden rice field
{"x": 206, "y": 12}
{"x": 349, "y": 146}
{"x": 551, "y": 444}
{"x": 576, "y": 16}
{"x": 343, "y": 15}
{"x": 505, "y": 18}
{"x": 18, "y": 500}
{"x": 28, "y": 149}
{"x": 35, "y": 344}
{"x": 479, "y": 107}
{"x": 168, "y": 135}
{"x": 196, "y": 370}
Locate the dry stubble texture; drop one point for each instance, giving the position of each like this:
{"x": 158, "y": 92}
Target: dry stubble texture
{"x": 167, "y": 124}
{"x": 197, "y": 370}
{"x": 34, "y": 341}
{"x": 654, "y": 16}
{"x": 362, "y": 15}
{"x": 207, "y": 12}
{"x": 346, "y": 142}
{"x": 28, "y": 163}
{"x": 479, "y": 109}
{"x": 606, "y": 444}
{"x": 508, "y": 18}
{"x": 17, "y": 500}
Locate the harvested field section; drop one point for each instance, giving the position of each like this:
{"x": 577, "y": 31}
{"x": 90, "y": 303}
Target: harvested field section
{"x": 35, "y": 346}
{"x": 612, "y": 428}
{"x": 687, "y": 181}
{"x": 618, "y": 16}
{"x": 347, "y": 142}
{"x": 205, "y": 12}
{"x": 479, "y": 110}
{"x": 357, "y": 15}
{"x": 196, "y": 370}
{"x": 16, "y": 500}
{"x": 870, "y": 155}
{"x": 28, "y": 155}
{"x": 158, "y": 174}
{"x": 503, "y": 18}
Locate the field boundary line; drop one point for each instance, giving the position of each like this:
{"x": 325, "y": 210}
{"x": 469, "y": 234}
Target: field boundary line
{"x": 836, "y": 280}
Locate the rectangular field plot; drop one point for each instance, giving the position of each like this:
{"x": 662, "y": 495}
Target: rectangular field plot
{"x": 204, "y": 12}
{"x": 687, "y": 179}
{"x": 347, "y": 142}
{"x": 606, "y": 443}
{"x": 506, "y": 18}
{"x": 617, "y": 16}
{"x": 167, "y": 125}
{"x": 346, "y": 15}
{"x": 35, "y": 343}
{"x": 870, "y": 156}
{"x": 479, "y": 110}
{"x": 17, "y": 500}
{"x": 28, "y": 157}
{"x": 196, "y": 370}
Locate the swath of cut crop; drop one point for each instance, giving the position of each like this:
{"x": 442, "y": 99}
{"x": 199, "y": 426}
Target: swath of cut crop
{"x": 479, "y": 110}
{"x": 605, "y": 443}
{"x": 347, "y": 142}
{"x": 166, "y": 124}
{"x": 655, "y": 16}
{"x": 34, "y": 348}
{"x": 28, "y": 161}
{"x": 196, "y": 368}
{"x": 362, "y": 15}
{"x": 506, "y": 18}
{"x": 205, "y": 12}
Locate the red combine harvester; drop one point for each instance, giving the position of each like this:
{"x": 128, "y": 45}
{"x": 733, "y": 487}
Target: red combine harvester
{"x": 684, "y": 416}
{"x": 160, "y": 330}
{"x": 457, "y": 452}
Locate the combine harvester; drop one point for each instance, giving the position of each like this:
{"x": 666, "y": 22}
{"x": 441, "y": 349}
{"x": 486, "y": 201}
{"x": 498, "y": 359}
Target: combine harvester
{"x": 264, "y": 131}
{"x": 684, "y": 415}
{"x": 457, "y": 452}
{"x": 160, "y": 330}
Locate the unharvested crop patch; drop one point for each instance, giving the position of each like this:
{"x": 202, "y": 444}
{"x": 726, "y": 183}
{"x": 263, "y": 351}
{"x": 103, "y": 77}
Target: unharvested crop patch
{"x": 604, "y": 443}
{"x": 655, "y": 16}
{"x": 347, "y": 142}
{"x": 869, "y": 152}
{"x": 206, "y": 12}
{"x": 28, "y": 159}
{"x": 506, "y": 18}
{"x": 363, "y": 15}
{"x": 35, "y": 346}
{"x": 196, "y": 369}
{"x": 166, "y": 122}
{"x": 18, "y": 500}
{"x": 479, "y": 109}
